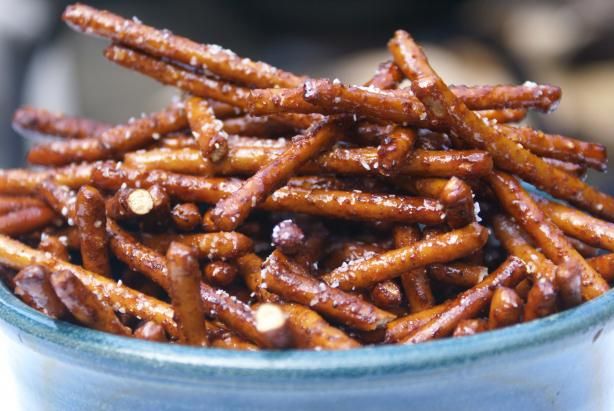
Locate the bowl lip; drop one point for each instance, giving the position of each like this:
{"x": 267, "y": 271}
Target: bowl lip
{"x": 82, "y": 345}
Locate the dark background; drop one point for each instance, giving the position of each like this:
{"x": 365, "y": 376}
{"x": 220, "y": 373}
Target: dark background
{"x": 569, "y": 43}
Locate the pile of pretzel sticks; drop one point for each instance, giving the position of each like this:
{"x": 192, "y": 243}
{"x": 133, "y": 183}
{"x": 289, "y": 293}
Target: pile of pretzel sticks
{"x": 266, "y": 210}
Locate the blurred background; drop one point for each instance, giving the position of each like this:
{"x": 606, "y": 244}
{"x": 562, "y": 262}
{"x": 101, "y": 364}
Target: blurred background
{"x": 569, "y": 43}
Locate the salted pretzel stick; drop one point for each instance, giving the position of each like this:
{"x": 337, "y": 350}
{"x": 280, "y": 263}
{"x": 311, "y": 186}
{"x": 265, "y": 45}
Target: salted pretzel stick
{"x": 440, "y": 249}
{"x": 171, "y": 75}
{"x": 232, "y": 211}
{"x": 308, "y": 328}
{"x": 12, "y": 203}
{"x": 219, "y": 273}
{"x": 572, "y": 168}
{"x": 184, "y": 280}
{"x": 604, "y": 265}
{"x": 506, "y": 308}
{"x": 556, "y": 146}
{"x": 575, "y": 223}
{"x": 312, "y": 331}
{"x": 454, "y": 194}
{"x": 541, "y": 300}
{"x": 29, "y": 119}
{"x": 328, "y": 97}
{"x": 186, "y": 216}
{"x": 400, "y": 328}
{"x": 292, "y": 282}
{"x": 54, "y": 245}
{"x": 506, "y": 115}
{"x": 584, "y": 249}
{"x": 394, "y": 149}
{"x": 60, "y": 198}
{"x": 444, "y": 107}
{"x": 91, "y": 221}
{"x": 232, "y": 312}
{"x": 33, "y": 287}
{"x": 519, "y": 204}
{"x": 341, "y": 161}
{"x": 215, "y": 59}
{"x": 160, "y": 215}
{"x": 470, "y": 327}
{"x": 263, "y": 126}
{"x": 416, "y": 283}
{"x": 21, "y": 181}
{"x": 218, "y": 246}
{"x": 288, "y": 237}
{"x": 112, "y": 142}
{"x": 469, "y": 303}
{"x": 129, "y": 203}
{"x": 387, "y": 76}
{"x": 272, "y": 321}
{"x": 26, "y": 220}
{"x": 515, "y": 241}
{"x": 17, "y": 255}
{"x": 85, "y": 305}
{"x": 460, "y": 274}
{"x": 206, "y": 129}
{"x": 386, "y": 295}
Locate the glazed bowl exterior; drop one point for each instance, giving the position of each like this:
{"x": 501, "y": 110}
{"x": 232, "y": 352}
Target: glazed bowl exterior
{"x": 563, "y": 362}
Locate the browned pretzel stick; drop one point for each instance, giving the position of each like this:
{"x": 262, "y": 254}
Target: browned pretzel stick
{"x": 444, "y": 107}
{"x": 112, "y": 142}
{"x": 516, "y": 201}
{"x": 58, "y": 125}
{"x": 215, "y": 59}
{"x": 440, "y": 249}
{"x": 469, "y": 303}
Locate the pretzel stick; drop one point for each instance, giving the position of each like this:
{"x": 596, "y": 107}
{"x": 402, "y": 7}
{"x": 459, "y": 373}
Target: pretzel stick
{"x": 506, "y": 115}
{"x": 470, "y": 327}
{"x": 469, "y": 303}
{"x": 55, "y": 246}
{"x": 232, "y": 211}
{"x": 454, "y": 194}
{"x": 506, "y": 308}
{"x": 341, "y": 161}
{"x": 444, "y": 107}
{"x": 541, "y": 300}
{"x": 218, "y": 303}
{"x": 171, "y": 75}
{"x": 394, "y": 149}
{"x": 222, "y": 245}
{"x": 33, "y": 287}
{"x": 186, "y": 216}
{"x": 398, "y": 329}
{"x": 572, "y": 168}
{"x": 112, "y": 142}
{"x": 28, "y": 119}
{"x": 460, "y": 274}
{"x": 84, "y": 304}
{"x": 575, "y": 223}
{"x": 515, "y": 241}
{"x": 17, "y": 255}
{"x": 311, "y": 331}
{"x": 26, "y": 220}
{"x": 415, "y": 282}
{"x": 13, "y": 203}
{"x": 604, "y": 265}
{"x": 212, "y": 140}
{"x": 129, "y": 203}
{"x": 294, "y": 284}
{"x": 183, "y": 280}
{"x": 219, "y": 61}
{"x": 91, "y": 221}
{"x": 219, "y": 273}
{"x": 386, "y": 295}
{"x": 288, "y": 237}
{"x": 24, "y": 181}
{"x": 272, "y": 321}
{"x": 440, "y": 249}
{"x": 562, "y": 148}
{"x": 516, "y": 201}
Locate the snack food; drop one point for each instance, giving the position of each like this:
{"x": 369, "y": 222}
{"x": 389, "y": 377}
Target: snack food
{"x": 269, "y": 210}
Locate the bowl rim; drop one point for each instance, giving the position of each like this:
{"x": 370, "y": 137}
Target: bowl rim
{"x": 82, "y": 345}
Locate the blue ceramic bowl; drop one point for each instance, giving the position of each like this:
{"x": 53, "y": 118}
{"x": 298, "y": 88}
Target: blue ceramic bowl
{"x": 563, "y": 362}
